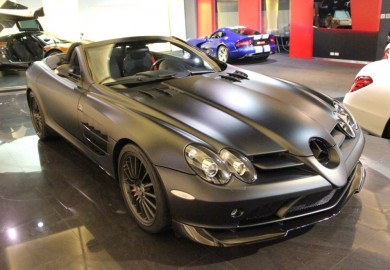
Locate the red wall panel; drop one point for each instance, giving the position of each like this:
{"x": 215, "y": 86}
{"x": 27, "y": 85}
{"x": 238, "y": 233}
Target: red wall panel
{"x": 366, "y": 15}
{"x": 249, "y": 12}
{"x": 301, "y": 28}
{"x": 206, "y": 17}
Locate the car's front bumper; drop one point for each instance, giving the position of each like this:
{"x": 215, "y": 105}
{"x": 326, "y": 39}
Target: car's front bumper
{"x": 215, "y": 227}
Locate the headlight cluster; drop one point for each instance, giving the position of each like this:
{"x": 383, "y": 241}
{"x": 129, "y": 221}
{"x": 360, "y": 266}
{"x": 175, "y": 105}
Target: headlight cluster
{"x": 218, "y": 169}
{"x": 345, "y": 119}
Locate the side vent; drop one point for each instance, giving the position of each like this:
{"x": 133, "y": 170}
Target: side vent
{"x": 95, "y": 140}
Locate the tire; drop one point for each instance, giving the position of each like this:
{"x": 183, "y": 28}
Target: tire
{"x": 223, "y": 54}
{"x": 141, "y": 190}
{"x": 38, "y": 119}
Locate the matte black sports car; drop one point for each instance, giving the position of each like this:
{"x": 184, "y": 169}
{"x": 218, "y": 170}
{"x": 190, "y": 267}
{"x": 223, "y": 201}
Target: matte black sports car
{"x": 225, "y": 155}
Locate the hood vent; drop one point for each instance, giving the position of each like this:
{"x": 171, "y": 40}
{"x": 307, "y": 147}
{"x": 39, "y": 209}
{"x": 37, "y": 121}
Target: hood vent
{"x": 157, "y": 92}
{"x": 275, "y": 161}
{"x": 236, "y": 76}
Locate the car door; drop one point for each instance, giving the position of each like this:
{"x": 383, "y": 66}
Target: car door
{"x": 61, "y": 96}
{"x": 211, "y": 45}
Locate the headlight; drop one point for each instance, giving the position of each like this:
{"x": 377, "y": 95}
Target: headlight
{"x": 239, "y": 165}
{"x": 345, "y": 120}
{"x": 207, "y": 164}
{"x": 218, "y": 169}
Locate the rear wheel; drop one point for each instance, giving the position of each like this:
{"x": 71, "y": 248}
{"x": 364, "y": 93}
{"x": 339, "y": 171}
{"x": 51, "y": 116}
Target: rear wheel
{"x": 223, "y": 54}
{"x": 141, "y": 189}
{"x": 38, "y": 119}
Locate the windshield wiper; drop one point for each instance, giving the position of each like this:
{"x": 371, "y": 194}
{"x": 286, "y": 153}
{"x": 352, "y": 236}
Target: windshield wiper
{"x": 143, "y": 78}
{"x": 200, "y": 72}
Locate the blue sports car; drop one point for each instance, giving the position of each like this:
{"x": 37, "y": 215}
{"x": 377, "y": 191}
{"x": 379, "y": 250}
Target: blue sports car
{"x": 237, "y": 42}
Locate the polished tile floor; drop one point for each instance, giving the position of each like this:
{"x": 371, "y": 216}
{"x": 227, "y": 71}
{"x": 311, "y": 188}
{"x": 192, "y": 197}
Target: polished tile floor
{"x": 60, "y": 211}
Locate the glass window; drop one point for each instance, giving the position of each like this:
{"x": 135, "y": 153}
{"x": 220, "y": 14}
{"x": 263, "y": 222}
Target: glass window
{"x": 218, "y": 34}
{"x": 29, "y": 25}
{"x": 227, "y": 13}
{"x": 149, "y": 58}
{"x": 332, "y": 14}
{"x": 276, "y": 17}
{"x": 49, "y": 40}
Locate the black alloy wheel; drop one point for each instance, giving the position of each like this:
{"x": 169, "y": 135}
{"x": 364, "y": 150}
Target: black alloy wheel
{"x": 38, "y": 119}
{"x": 141, "y": 189}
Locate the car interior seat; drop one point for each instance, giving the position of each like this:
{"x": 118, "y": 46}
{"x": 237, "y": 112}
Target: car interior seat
{"x": 116, "y": 62}
{"x": 20, "y": 50}
{"x": 34, "y": 48}
{"x": 137, "y": 59}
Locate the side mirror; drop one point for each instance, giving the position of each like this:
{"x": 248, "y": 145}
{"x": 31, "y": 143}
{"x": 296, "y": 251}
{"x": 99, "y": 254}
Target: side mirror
{"x": 63, "y": 70}
{"x": 206, "y": 38}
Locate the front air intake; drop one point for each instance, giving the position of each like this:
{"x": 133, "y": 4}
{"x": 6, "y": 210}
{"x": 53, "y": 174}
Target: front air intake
{"x": 324, "y": 153}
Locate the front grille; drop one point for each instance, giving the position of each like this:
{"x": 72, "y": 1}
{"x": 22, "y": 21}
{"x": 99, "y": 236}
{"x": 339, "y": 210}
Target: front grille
{"x": 280, "y": 166}
{"x": 262, "y": 213}
{"x": 267, "y": 213}
{"x": 312, "y": 201}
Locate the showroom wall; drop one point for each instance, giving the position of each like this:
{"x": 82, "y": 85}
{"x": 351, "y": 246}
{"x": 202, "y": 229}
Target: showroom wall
{"x": 359, "y": 43}
{"x": 384, "y": 29}
{"x": 190, "y": 18}
{"x": 103, "y": 19}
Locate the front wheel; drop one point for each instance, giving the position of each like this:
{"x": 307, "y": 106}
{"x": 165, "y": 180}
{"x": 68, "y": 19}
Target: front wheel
{"x": 223, "y": 54}
{"x": 141, "y": 189}
{"x": 38, "y": 119}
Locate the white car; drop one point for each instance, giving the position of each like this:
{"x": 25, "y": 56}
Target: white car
{"x": 369, "y": 97}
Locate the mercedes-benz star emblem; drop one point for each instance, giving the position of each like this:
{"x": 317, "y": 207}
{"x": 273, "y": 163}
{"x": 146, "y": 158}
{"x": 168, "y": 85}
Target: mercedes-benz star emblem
{"x": 320, "y": 151}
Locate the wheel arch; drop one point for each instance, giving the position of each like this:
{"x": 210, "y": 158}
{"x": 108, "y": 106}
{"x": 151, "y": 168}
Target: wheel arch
{"x": 117, "y": 150}
{"x": 28, "y": 91}
{"x": 115, "y": 157}
{"x": 386, "y": 130}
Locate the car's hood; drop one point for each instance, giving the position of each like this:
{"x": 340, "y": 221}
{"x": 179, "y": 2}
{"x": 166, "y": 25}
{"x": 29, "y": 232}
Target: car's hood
{"x": 255, "y": 115}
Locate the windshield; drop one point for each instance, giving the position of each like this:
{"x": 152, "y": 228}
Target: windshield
{"x": 245, "y": 31}
{"x": 49, "y": 40}
{"x": 146, "y": 60}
